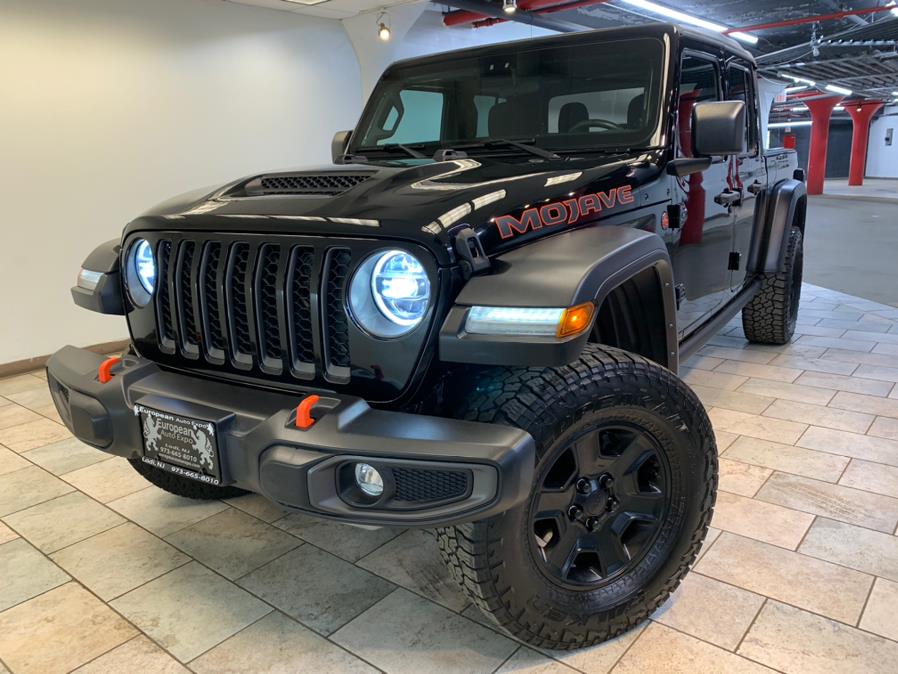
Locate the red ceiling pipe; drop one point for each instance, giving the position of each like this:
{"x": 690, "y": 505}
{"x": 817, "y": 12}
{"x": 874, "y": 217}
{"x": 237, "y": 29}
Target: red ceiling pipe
{"x": 861, "y": 116}
{"x": 809, "y": 19}
{"x": 821, "y": 110}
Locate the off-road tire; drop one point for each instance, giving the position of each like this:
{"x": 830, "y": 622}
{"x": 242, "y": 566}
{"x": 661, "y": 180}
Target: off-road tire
{"x": 770, "y": 316}
{"x": 182, "y": 486}
{"x": 492, "y": 559}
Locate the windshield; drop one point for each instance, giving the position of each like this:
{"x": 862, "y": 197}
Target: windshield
{"x": 601, "y": 95}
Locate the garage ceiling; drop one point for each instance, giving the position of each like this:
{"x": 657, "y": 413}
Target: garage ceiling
{"x": 330, "y": 9}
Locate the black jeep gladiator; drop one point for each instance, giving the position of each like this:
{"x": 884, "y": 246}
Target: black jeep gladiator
{"x": 472, "y": 321}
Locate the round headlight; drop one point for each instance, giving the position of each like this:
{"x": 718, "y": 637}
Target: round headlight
{"x": 140, "y": 272}
{"x": 390, "y": 293}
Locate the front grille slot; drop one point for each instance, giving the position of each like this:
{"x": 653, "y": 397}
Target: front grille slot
{"x": 300, "y": 313}
{"x": 238, "y": 314}
{"x": 212, "y": 275}
{"x": 269, "y": 316}
{"x": 163, "y": 302}
{"x": 336, "y": 320}
{"x": 186, "y": 298}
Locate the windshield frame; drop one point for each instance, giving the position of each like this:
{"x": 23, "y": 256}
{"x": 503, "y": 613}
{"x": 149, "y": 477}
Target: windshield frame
{"x": 654, "y": 137}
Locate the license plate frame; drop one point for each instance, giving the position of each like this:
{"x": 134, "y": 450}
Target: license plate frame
{"x": 179, "y": 444}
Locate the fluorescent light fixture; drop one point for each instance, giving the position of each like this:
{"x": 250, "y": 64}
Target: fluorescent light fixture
{"x": 895, "y": 93}
{"x": 800, "y": 108}
{"x": 838, "y": 90}
{"x": 682, "y": 17}
{"x": 786, "y": 125}
{"x": 792, "y": 90}
{"x": 839, "y": 108}
{"x": 89, "y": 279}
{"x": 797, "y": 79}
{"x": 307, "y": 3}
{"x": 537, "y": 322}
{"x": 894, "y": 10}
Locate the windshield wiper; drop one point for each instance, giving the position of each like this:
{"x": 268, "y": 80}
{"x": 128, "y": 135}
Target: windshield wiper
{"x": 526, "y": 147}
{"x": 412, "y": 152}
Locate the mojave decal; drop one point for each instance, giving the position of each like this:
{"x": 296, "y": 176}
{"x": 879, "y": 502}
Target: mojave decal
{"x": 566, "y": 212}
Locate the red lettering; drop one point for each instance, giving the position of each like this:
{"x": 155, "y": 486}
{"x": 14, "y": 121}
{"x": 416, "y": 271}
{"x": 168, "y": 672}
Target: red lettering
{"x": 625, "y": 195}
{"x": 608, "y": 199}
{"x": 574, "y": 210}
{"x": 509, "y": 225}
{"x": 589, "y": 204}
{"x": 553, "y": 214}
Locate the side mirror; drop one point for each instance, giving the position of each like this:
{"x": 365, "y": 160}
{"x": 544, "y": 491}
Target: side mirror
{"x": 339, "y": 144}
{"x": 718, "y": 128}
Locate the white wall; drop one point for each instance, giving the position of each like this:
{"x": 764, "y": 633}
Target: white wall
{"x": 110, "y": 106}
{"x": 882, "y": 159}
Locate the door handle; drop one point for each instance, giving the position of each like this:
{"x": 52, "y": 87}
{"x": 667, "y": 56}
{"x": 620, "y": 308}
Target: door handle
{"x": 728, "y": 198}
{"x": 756, "y": 187}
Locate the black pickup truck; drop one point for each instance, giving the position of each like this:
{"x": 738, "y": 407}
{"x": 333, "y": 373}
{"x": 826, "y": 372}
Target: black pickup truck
{"x": 472, "y": 321}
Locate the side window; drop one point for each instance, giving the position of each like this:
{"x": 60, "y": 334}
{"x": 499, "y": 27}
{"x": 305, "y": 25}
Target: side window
{"x": 420, "y": 121}
{"x": 739, "y": 87}
{"x": 699, "y": 81}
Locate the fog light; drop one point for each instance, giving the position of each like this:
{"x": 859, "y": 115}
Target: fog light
{"x": 369, "y": 479}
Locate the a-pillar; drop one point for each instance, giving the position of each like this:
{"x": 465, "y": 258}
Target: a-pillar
{"x": 821, "y": 110}
{"x": 861, "y": 115}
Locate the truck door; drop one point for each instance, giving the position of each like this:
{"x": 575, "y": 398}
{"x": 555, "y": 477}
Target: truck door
{"x": 747, "y": 173}
{"x": 699, "y": 247}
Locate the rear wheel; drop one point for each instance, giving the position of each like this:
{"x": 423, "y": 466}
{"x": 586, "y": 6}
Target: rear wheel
{"x": 182, "y": 486}
{"x": 771, "y": 315}
{"x": 623, "y": 493}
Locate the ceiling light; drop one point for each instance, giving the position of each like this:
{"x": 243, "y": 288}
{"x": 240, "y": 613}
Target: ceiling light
{"x": 509, "y": 6}
{"x": 383, "y": 27}
{"x": 792, "y": 90}
{"x": 799, "y": 108}
{"x": 682, "y": 17}
{"x": 839, "y": 108}
{"x": 838, "y": 90}
{"x": 786, "y": 125}
{"x": 894, "y": 10}
{"x": 796, "y": 78}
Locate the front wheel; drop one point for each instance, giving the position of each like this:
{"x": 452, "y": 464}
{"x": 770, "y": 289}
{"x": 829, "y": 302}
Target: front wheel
{"x": 624, "y": 490}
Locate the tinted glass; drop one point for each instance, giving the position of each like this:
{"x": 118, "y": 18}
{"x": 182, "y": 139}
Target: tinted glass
{"x": 596, "y": 95}
{"x": 739, "y": 88}
{"x": 699, "y": 82}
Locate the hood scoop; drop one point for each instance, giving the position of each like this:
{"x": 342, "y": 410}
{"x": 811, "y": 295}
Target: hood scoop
{"x": 320, "y": 184}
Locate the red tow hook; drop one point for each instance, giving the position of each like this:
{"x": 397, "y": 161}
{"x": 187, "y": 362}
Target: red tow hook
{"x": 304, "y": 418}
{"x": 104, "y": 372}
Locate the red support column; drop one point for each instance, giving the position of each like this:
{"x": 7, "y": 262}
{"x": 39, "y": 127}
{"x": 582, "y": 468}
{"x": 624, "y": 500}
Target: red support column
{"x": 821, "y": 110}
{"x": 861, "y": 116}
{"x": 789, "y": 141}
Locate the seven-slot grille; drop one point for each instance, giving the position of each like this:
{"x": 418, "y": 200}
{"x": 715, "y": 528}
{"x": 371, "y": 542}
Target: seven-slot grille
{"x": 252, "y": 305}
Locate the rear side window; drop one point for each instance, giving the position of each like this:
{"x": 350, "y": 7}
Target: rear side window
{"x": 740, "y": 87}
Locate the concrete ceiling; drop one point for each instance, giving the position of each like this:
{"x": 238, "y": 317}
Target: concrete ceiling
{"x": 330, "y": 9}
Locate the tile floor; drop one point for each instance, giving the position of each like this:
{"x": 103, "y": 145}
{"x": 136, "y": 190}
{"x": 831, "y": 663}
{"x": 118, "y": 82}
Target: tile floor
{"x": 101, "y": 573}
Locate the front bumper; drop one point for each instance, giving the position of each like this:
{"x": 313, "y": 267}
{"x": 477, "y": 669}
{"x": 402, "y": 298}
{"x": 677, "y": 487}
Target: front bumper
{"x": 261, "y": 450}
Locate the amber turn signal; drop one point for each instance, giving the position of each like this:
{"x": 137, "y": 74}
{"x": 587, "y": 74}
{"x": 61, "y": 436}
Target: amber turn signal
{"x": 576, "y": 319}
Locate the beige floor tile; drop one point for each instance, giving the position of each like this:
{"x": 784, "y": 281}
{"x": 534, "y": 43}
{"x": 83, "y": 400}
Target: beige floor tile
{"x": 797, "y": 642}
{"x": 6, "y": 534}
{"x": 405, "y": 633}
{"x": 258, "y": 506}
{"x": 879, "y": 616}
{"x": 741, "y": 478}
{"x": 710, "y": 537}
{"x": 867, "y": 447}
{"x": 745, "y": 355}
{"x": 856, "y": 402}
{"x": 786, "y": 374}
{"x": 50, "y": 412}
{"x": 118, "y": 560}
{"x": 837, "y": 343}
{"x": 13, "y": 415}
{"x": 19, "y": 383}
{"x": 65, "y": 456}
{"x": 814, "y": 365}
{"x": 722, "y": 380}
{"x": 845, "y": 504}
{"x": 164, "y": 513}
{"x": 884, "y": 427}
{"x": 787, "y": 458}
{"x": 855, "y": 547}
{"x": 869, "y": 476}
{"x": 888, "y": 374}
{"x": 320, "y": 590}
{"x": 190, "y": 610}
{"x": 857, "y": 358}
{"x": 788, "y": 576}
{"x": 785, "y": 391}
{"x": 343, "y": 540}
{"x": 59, "y": 630}
{"x": 27, "y": 487}
{"x": 596, "y": 659}
{"x": 843, "y": 383}
{"x": 527, "y": 661}
{"x": 33, "y": 434}
{"x": 731, "y": 400}
{"x": 233, "y": 543}
{"x": 761, "y": 521}
{"x": 62, "y": 521}
{"x": 10, "y": 461}
{"x": 25, "y": 573}
{"x": 818, "y": 415}
{"x": 724, "y": 439}
{"x": 140, "y": 656}
{"x": 681, "y": 653}
{"x": 277, "y": 644}
{"x": 108, "y": 480}
{"x": 710, "y": 610}
{"x": 702, "y": 362}
{"x": 34, "y": 398}
{"x": 756, "y": 426}
{"x": 412, "y": 560}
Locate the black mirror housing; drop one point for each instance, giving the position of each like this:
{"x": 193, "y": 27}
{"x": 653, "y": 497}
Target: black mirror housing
{"x": 339, "y": 145}
{"x": 718, "y": 128}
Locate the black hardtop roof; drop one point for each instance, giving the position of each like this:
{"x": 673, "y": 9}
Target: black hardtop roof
{"x": 587, "y": 36}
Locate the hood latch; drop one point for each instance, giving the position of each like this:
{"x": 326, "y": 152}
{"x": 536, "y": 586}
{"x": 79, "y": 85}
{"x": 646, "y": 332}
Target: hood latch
{"x": 470, "y": 251}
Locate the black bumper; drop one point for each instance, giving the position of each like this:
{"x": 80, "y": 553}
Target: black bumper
{"x": 439, "y": 471}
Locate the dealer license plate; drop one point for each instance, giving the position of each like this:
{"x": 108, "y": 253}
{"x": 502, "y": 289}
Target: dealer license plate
{"x": 180, "y": 445}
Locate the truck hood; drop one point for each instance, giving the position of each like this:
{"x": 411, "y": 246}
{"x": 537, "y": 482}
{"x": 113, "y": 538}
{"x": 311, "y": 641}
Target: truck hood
{"x": 424, "y": 201}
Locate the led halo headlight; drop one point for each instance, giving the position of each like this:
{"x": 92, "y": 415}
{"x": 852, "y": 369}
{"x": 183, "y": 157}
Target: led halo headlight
{"x": 140, "y": 272}
{"x": 390, "y": 294}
